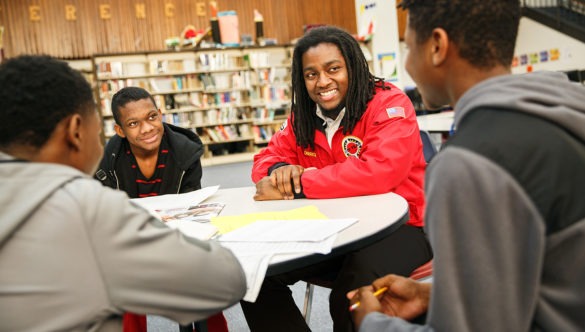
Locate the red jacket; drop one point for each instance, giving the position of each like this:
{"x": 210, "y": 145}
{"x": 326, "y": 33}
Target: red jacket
{"x": 382, "y": 154}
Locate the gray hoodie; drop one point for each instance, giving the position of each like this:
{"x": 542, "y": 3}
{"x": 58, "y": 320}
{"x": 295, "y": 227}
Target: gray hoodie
{"x": 75, "y": 256}
{"x": 505, "y": 211}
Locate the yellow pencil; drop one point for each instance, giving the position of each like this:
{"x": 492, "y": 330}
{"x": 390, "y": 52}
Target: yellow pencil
{"x": 376, "y": 293}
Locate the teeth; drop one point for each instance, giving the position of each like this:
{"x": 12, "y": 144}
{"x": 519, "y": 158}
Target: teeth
{"x": 328, "y": 93}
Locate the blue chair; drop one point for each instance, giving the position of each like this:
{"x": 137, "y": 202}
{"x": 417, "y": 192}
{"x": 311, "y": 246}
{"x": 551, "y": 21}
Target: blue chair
{"x": 429, "y": 149}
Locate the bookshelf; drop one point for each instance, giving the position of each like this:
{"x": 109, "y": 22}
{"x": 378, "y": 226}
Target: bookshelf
{"x": 225, "y": 95}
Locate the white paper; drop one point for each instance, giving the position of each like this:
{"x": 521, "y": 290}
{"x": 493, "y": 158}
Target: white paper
{"x": 288, "y": 230}
{"x": 202, "y": 231}
{"x": 255, "y": 270}
{"x": 269, "y": 248}
{"x": 256, "y": 256}
{"x": 172, "y": 201}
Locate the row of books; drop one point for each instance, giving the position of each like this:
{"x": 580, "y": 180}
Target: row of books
{"x": 118, "y": 68}
{"x": 263, "y": 133}
{"x": 215, "y": 61}
{"x": 178, "y": 119}
{"x": 268, "y": 114}
{"x": 229, "y": 80}
{"x": 222, "y": 133}
{"x": 172, "y": 66}
{"x": 273, "y": 93}
{"x": 175, "y": 83}
{"x": 205, "y": 118}
{"x": 205, "y": 61}
{"x": 223, "y": 115}
{"x": 202, "y": 100}
{"x": 153, "y": 85}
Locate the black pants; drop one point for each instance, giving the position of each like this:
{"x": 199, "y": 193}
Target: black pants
{"x": 275, "y": 310}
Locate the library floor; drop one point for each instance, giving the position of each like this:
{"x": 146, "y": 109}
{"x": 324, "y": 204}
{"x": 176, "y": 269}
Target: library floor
{"x": 233, "y": 172}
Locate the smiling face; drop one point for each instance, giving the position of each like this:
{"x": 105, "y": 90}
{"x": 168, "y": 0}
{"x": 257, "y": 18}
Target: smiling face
{"x": 141, "y": 124}
{"x": 326, "y": 76}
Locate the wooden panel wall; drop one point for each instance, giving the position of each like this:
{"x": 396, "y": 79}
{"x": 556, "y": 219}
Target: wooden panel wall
{"x": 42, "y": 27}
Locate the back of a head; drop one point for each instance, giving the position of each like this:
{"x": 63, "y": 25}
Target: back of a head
{"x": 484, "y": 31}
{"x": 127, "y": 95}
{"x": 36, "y": 93}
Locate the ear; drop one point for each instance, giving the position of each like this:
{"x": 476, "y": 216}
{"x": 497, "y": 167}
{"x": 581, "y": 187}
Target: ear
{"x": 119, "y": 130}
{"x": 440, "y": 46}
{"x": 73, "y": 132}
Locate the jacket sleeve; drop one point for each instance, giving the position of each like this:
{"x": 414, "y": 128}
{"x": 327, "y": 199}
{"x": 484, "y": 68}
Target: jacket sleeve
{"x": 488, "y": 241}
{"x": 391, "y": 149}
{"x": 149, "y": 268}
{"x": 281, "y": 149}
{"x": 192, "y": 178}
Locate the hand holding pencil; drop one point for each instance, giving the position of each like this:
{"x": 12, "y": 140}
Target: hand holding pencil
{"x": 392, "y": 295}
{"x": 376, "y": 293}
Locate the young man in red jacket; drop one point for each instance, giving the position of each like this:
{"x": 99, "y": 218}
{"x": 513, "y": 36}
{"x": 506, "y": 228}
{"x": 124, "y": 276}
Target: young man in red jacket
{"x": 349, "y": 134}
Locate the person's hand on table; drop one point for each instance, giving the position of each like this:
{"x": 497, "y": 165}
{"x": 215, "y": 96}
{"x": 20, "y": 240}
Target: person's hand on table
{"x": 265, "y": 191}
{"x": 281, "y": 179}
{"x": 405, "y": 298}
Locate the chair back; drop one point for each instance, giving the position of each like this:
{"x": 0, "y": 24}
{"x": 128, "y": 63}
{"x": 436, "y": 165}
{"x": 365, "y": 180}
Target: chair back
{"x": 429, "y": 149}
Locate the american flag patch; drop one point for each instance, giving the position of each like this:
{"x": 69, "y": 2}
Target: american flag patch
{"x": 394, "y": 112}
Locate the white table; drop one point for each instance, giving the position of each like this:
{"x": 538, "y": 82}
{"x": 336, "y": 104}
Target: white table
{"x": 378, "y": 215}
{"x": 436, "y": 123}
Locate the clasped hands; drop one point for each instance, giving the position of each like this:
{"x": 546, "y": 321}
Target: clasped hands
{"x": 282, "y": 183}
{"x": 405, "y": 298}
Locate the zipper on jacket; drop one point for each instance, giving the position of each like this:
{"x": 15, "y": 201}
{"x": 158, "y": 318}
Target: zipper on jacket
{"x": 180, "y": 182}
{"x": 113, "y": 171}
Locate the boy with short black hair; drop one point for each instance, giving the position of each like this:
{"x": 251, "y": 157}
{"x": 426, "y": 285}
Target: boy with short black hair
{"x": 75, "y": 255}
{"x": 505, "y": 212}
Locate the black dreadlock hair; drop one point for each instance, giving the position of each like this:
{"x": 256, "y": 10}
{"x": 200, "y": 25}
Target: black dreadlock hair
{"x": 361, "y": 88}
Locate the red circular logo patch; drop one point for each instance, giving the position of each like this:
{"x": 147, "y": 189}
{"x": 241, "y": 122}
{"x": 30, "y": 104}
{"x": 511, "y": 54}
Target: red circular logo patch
{"x": 352, "y": 146}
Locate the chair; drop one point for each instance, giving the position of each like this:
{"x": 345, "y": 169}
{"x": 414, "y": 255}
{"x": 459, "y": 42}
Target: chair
{"x": 422, "y": 273}
{"x": 429, "y": 149}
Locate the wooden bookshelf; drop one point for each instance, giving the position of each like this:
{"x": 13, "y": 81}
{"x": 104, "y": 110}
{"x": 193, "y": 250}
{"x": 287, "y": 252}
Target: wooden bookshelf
{"x": 225, "y": 95}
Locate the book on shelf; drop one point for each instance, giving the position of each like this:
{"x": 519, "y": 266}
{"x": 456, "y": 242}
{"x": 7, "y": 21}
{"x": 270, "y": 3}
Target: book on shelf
{"x": 221, "y": 131}
{"x": 244, "y": 130}
{"x": 212, "y": 116}
{"x": 198, "y": 118}
{"x": 194, "y": 99}
{"x": 109, "y": 127}
{"x": 160, "y": 101}
{"x": 161, "y": 84}
{"x": 231, "y": 131}
{"x": 169, "y": 102}
{"x": 106, "y": 107}
{"x": 189, "y": 65}
{"x": 182, "y": 100}
{"x": 207, "y": 81}
{"x": 257, "y": 135}
{"x": 214, "y": 136}
{"x": 116, "y": 69}
{"x": 222, "y": 80}
{"x": 134, "y": 69}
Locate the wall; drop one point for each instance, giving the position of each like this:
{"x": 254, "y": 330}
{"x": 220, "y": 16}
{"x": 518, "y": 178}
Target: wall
{"x": 535, "y": 38}
{"x": 80, "y": 28}
{"x": 384, "y": 45}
